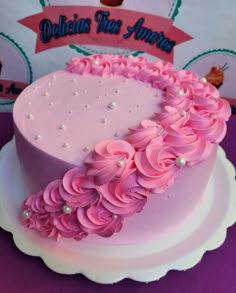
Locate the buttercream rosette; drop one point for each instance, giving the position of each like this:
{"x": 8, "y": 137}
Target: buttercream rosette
{"x": 119, "y": 176}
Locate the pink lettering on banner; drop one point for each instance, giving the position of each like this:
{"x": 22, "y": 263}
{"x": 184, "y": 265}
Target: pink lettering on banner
{"x": 10, "y": 89}
{"x": 63, "y": 25}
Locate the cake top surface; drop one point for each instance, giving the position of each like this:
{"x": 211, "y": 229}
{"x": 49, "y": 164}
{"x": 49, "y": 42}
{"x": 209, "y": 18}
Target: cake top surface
{"x": 66, "y": 114}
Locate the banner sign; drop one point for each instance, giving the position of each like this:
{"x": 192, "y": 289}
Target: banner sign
{"x": 63, "y": 25}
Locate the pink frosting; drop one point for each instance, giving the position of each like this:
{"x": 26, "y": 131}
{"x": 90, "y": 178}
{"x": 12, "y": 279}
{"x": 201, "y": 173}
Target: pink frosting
{"x": 53, "y": 201}
{"x": 188, "y": 144}
{"x": 119, "y": 176}
{"x": 111, "y": 158}
{"x": 46, "y": 215}
{"x": 79, "y": 190}
{"x": 156, "y": 166}
{"x": 125, "y": 196}
{"x": 98, "y": 220}
{"x": 144, "y": 134}
{"x": 171, "y": 116}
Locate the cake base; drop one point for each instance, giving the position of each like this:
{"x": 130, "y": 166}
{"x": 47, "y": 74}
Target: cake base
{"x": 205, "y": 230}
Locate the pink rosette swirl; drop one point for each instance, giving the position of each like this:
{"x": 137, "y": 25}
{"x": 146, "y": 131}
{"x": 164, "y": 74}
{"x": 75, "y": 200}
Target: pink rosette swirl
{"x": 171, "y": 116}
{"x": 68, "y": 226}
{"x": 34, "y": 205}
{"x": 178, "y": 95}
{"x": 157, "y": 168}
{"x": 46, "y": 227}
{"x": 53, "y": 202}
{"x": 39, "y": 219}
{"x": 208, "y": 116}
{"x": 182, "y": 102}
{"x": 207, "y": 125}
{"x": 134, "y": 66}
{"x": 144, "y": 134}
{"x": 119, "y": 65}
{"x": 162, "y": 66}
{"x": 202, "y": 88}
{"x": 110, "y": 159}
{"x": 79, "y": 65}
{"x": 79, "y": 190}
{"x": 98, "y": 220}
{"x": 101, "y": 66}
{"x": 213, "y": 105}
{"x": 164, "y": 82}
{"x": 150, "y": 72}
{"x": 185, "y": 75}
{"x": 188, "y": 144}
{"x": 124, "y": 196}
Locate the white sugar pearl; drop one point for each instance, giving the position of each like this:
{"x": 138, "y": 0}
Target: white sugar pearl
{"x": 30, "y": 116}
{"x": 130, "y": 56}
{"x": 112, "y": 105}
{"x": 86, "y": 148}
{"x": 54, "y": 77}
{"x": 114, "y": 216}
{"x": 66, "y": 209}
{"x": 180, "y": 161}
{"x": 117, "y": 91}
{"x": 46, "y": 94}
{"x": 74, "y": 80}
{"x": 76, "y": 94}
{"x": 104, "y": 121}
{"x": 203, "y": 79}
{"x": 51, "y": 104}
{"x": 38, "y": 137}
{"x": 183, "y": 113}
{"x": 65, "y": 145}
{"x": 26, "y": 214}
{"x": 95, "y": 62}
{"x": 116, "y": 134}
{"x": 121, "y": 163}
{"x": 62, "y": 127}
{"x": 180, "y": 93}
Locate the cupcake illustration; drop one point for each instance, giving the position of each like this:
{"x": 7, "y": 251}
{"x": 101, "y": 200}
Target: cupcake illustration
{"x": 216, "y": 75}
{"x": 112, "y": 3}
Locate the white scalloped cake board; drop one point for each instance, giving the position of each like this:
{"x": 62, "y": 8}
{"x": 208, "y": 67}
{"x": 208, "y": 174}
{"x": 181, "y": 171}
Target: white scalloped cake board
{"x": 205, "y": 230}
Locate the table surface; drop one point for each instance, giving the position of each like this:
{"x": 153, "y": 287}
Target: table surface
{"x": 216, "y": 272}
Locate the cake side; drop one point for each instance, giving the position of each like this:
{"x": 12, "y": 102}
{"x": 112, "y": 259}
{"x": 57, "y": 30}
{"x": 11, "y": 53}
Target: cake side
{"x": 182, "y": 121}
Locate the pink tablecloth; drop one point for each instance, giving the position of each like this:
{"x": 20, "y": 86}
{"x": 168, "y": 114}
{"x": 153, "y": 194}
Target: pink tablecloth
{"x": 216, "y": 273}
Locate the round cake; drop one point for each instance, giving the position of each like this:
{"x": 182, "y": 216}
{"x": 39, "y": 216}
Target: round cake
{"x": 116, "y": 144}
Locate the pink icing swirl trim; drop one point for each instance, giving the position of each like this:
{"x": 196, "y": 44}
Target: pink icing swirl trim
{"x": 119, "y": 176}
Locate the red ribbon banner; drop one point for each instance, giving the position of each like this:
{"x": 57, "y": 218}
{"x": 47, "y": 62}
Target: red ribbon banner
{"x": 10, "y": 89}
{"x": 63, "y": 25}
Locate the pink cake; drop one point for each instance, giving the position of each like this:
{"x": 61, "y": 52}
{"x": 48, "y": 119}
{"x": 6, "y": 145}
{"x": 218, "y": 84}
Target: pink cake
{"x": 116, "y": 144}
